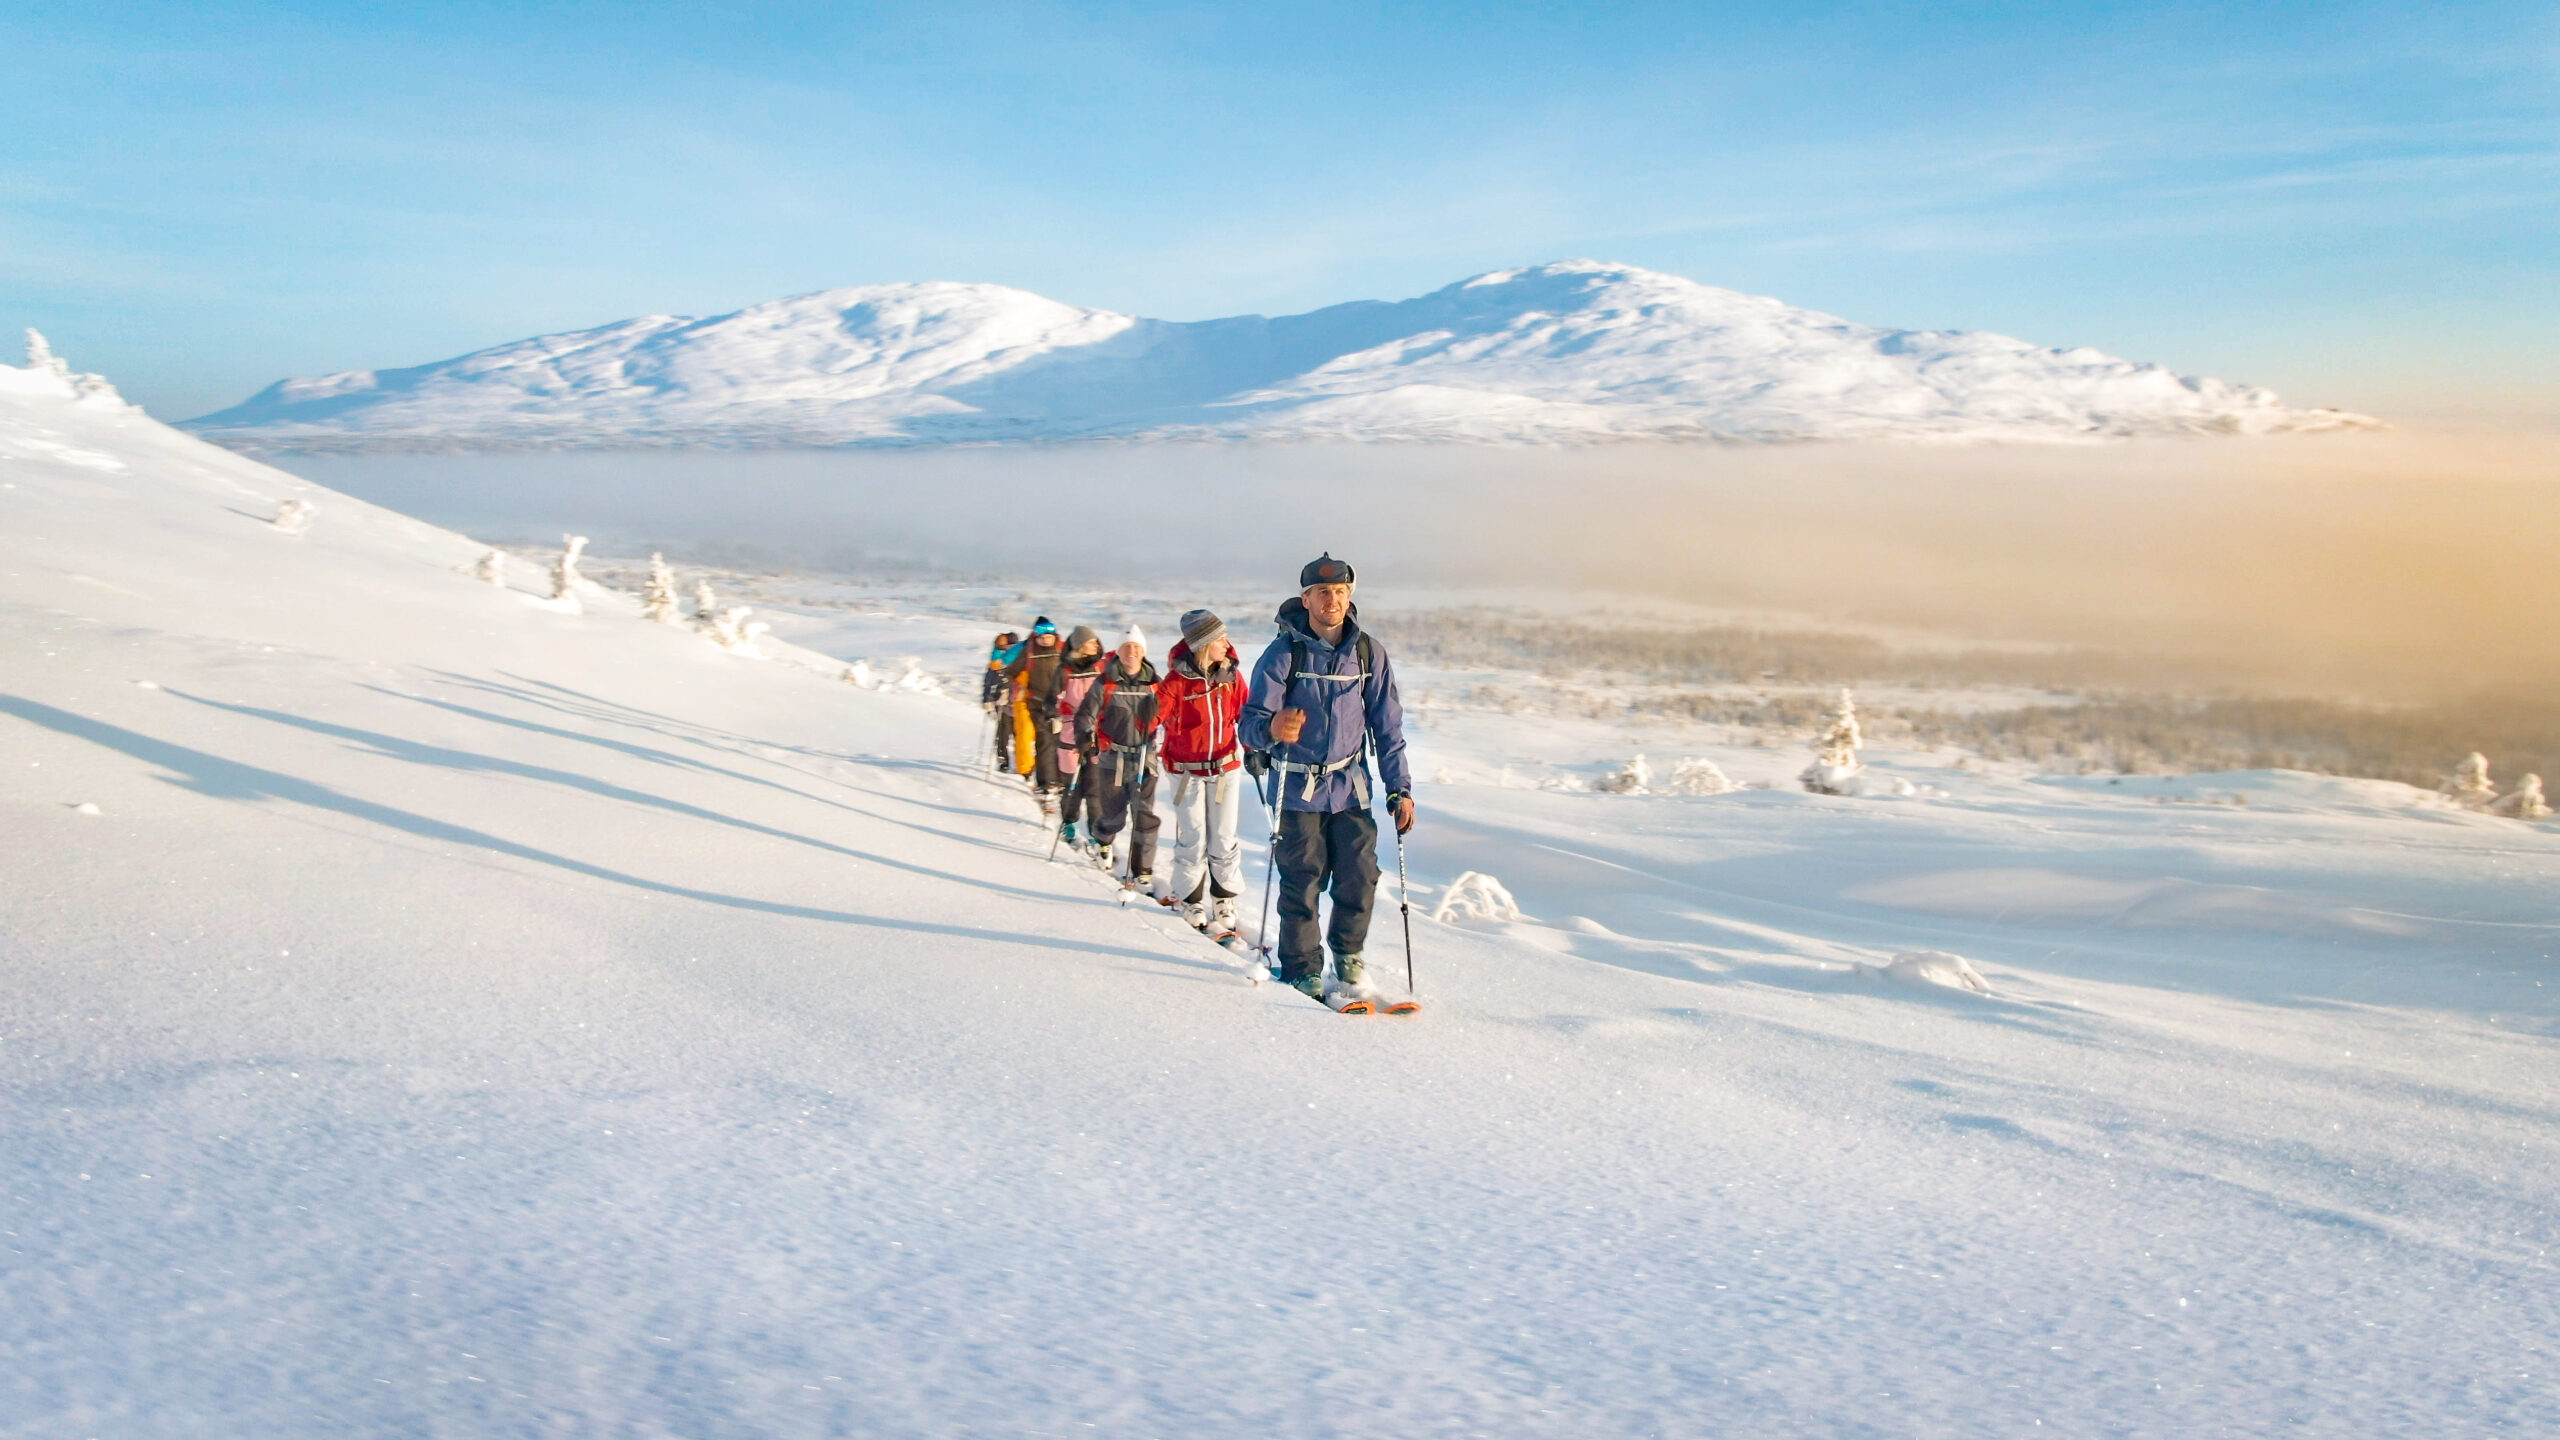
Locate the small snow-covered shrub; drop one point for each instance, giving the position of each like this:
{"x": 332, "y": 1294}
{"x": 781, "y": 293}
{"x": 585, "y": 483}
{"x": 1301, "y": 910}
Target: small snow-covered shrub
{"x": 858, "y": 675}
{"x": 564, "y": 571}
{"x": 1635, "y": 779}
{"x": 293, "y": 516}
{"x": 2469, "y": 785}
{"x": 658, "y": 594}
{"x": 1698, "y": 776}
{"x": 732, "y": 630}
{"x": 1476, "y": 896}
{"x": 915, "y": 680}
{"x": 40, "y": 356}
{"x": 491, "y": 568}
{"x": 2526, "y": 803}
{"x": 706, "y": 607}
{"x": 1835, "y": 756}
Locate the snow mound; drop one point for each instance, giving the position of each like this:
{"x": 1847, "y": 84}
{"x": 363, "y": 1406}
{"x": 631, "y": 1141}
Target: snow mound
{"x": 1477, "y": 897}
{"x": 1577, "y": 350}
{"x": 1944, "y": 969}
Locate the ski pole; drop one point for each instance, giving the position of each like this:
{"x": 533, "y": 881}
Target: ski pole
{"x": 1404, "y": 903}
{"x": 1270, "y": 867}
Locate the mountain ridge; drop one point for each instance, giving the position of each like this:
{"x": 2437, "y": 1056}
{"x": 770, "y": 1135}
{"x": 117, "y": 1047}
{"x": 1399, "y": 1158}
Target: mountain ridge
{"x": 1565, "y": 352}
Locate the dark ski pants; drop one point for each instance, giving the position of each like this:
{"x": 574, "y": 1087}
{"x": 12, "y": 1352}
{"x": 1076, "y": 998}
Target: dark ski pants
{"x": 1004, "y": 739}
{"x": 1044, "y": 754}
{"x": 1120, "y": 792}
{"x": 1314, "y": 850}
{"x": 1077, "y": 800}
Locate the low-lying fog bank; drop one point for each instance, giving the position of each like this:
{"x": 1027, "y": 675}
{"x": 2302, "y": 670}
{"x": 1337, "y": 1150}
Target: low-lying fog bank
{"x": 2394, "y": 567}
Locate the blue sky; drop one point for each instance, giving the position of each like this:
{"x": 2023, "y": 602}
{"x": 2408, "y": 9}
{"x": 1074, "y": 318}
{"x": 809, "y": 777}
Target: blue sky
{"x": 2357, "y": 205}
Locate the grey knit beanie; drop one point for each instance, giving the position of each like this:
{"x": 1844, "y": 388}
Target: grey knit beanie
{"x": 1199, "y": 627}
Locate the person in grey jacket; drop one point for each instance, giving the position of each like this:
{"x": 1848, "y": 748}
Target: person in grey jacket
{"x": 1118, "y": 721}
{"x": 1324, "y": 704}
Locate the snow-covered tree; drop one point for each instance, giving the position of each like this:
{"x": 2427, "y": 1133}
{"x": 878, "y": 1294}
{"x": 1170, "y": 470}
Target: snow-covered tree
{"x": 1476, "y": 896}
{"x": 293, "y": 516}
{"x": 1698, "y": 776}
{"x": 491, "y": 568}
{"x": 2469, "y": 785}
{"x": 706, "y": 607}
{"x": 858, "y": 675}
{"x": 2526, "y": 803}
{"x": 40, "y": 356}
{"x": 1635, "y": 779}
{"x": 658, "y": 596}
{"x": 1835, "y": 757}
{"x": 564, "y": 571}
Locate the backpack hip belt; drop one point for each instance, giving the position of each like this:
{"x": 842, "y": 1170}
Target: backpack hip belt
{"x": 1204, "y": 767}
{"x": 1356, "y": 763}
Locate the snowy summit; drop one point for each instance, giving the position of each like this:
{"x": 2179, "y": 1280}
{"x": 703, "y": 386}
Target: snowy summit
{"x": 1571, "y": 351}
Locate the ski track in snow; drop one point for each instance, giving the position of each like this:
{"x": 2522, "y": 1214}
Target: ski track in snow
{"x": 462, "y": 1018}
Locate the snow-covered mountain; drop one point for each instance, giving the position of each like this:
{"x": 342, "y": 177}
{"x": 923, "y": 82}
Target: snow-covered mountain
{"x": 1572, "y": 351}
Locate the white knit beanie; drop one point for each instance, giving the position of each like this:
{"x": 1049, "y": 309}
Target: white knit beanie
{"x": 1135, "y": 637}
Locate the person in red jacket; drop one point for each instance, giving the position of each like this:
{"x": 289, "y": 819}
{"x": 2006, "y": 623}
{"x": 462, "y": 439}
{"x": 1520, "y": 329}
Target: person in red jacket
{"x": 1202, "y": 692}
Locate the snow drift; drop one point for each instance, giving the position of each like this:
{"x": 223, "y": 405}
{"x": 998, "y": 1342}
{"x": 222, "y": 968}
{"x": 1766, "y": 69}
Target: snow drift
{"x": 1576, "y": 350}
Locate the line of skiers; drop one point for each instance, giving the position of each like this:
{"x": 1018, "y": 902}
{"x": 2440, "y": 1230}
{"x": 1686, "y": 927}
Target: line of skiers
{"x": 1094, "y": 731}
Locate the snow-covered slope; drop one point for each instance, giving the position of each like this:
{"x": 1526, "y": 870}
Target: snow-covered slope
{"x": 427, "y": 1012}
{"x": 1576, "y": 350}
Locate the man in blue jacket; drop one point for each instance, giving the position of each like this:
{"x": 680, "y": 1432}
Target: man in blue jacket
{"x": 1324, "y": 701}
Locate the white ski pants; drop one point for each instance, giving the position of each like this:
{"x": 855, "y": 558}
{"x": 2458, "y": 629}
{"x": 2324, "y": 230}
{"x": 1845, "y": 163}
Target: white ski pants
{"x": 1204, "y": 836}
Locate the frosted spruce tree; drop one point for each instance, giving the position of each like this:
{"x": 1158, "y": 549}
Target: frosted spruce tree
{"x": 2527, "y": 802}
{"x": 2469, "y": 786}
{"x": 564, "y": 571}
{"x": 294, "y": 516}
{"x": 658, "y": 596}
{"x": 491, "y": 568}
{"x": 706, "y": 606}
{"x": 1835, "y": 766}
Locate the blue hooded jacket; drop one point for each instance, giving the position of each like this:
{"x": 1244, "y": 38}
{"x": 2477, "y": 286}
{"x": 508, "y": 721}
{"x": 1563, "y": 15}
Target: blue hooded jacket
{"x": 1341, "y": 713}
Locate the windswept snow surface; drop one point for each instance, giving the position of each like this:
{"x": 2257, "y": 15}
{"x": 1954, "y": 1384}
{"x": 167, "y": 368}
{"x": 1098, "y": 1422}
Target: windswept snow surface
{"x": 428, "y": 1013}
{"x": 1571, "y": 351}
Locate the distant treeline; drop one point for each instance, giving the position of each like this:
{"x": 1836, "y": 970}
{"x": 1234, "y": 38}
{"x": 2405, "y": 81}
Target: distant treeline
{"x": 1724, "y": 654}
{"x": 2130, "y": 716}
{"x": 2160, "y": 735}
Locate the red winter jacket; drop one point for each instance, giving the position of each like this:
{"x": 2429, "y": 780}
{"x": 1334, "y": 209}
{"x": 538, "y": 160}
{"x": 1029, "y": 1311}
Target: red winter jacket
{"x": 1200, "y": 715}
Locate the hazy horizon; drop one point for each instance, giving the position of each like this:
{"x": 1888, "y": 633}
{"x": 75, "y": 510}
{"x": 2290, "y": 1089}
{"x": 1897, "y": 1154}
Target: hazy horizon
{"x": 2387, "y": 562}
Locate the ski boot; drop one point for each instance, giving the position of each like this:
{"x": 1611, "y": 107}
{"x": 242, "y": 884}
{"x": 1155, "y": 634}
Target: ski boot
{"x": 1067, "y": 836}
{"x": 1350, "y": 971}
{"x": 1102, "y": 855}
